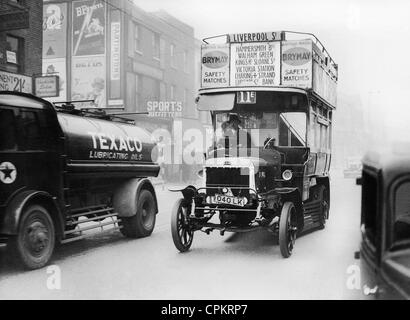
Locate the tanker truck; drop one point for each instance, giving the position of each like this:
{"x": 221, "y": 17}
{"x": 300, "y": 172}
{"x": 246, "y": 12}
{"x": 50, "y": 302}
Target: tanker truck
{"x": 65, "y": 171}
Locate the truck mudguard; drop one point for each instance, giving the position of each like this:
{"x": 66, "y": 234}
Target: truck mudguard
{"x": 16, "y": 206}
{"x": 126, "y": 196}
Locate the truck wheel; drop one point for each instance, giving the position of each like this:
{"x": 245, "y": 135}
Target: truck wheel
{"x": 287, "y": 229}
{"x": 35, "y": 242}
{"x": 182, "y": 235}
{"x": 143, "y": 222}
{"x": 324, "y": 206}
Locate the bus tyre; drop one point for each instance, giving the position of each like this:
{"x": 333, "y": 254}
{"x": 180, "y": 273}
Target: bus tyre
{"x": 324, "y": 206}
{"x": 182, "y": 235}
{"x": 287, "y": 229}
{"x": 143, "y": 222}
{"x": 34, "y": 244}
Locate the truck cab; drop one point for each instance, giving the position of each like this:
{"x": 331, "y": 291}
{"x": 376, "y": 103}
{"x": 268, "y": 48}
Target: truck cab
{"x": 65, "y": 171}
{"x": 385, "y": 226}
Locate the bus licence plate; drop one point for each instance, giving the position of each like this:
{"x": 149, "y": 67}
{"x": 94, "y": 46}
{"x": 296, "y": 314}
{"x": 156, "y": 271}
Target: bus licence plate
{"x": 234, "y": 201}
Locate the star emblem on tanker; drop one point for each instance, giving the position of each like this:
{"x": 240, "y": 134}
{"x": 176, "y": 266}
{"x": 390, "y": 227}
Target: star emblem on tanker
{"x": 8, "y": 173}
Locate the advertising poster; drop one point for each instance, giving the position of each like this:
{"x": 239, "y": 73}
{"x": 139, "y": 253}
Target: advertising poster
{"x": 215, "y": 66}
{"x": 255, "y": 64}
{"x": 89, "y": 80}
{"x": 54, "y": 30}
{"x": 57, "y": 67}
{"x": 297, "y": 64}
{"x": 88, "y": 27}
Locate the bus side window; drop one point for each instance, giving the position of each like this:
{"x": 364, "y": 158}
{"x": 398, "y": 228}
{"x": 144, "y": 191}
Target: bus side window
{"x": 8, "y": 130}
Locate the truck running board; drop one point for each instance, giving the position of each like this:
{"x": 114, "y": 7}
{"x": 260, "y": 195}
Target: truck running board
{"x": 90, "y": 218}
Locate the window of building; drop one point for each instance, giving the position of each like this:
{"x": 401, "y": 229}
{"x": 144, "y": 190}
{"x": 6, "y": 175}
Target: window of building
{"x": 186, "y": 68}
{"x": 172, "y": 93}
{"x": 185, "y": 98}
{"x": 173, "y": 56}
{"x": 157, "y": 89}
{"x": 14, "y": 54}
{"x": 156, "y": 49}
{"x": 137, "y": 38}
{"x": 138, "y": 91}
{"x": 162, "y": 91}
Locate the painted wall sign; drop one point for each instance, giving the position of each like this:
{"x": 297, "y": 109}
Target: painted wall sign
{"x": 297, "y": 64}
{"x": 88, "y": 27}
{"x": 54, "y": 30}
{"x": 115, "y": 51}
{"x": 115, "y": 55}
{"x": 255, "y": 64}
{"x": 164, "y": 109}
{"x": 215, "y": 66}
{"x": 15, "y": 82}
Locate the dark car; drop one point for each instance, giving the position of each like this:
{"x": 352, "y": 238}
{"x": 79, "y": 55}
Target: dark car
{"x": 385, "y": 226}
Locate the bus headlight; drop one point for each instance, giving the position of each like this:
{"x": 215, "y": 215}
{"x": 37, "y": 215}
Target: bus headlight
{"x": 287, "y": 175}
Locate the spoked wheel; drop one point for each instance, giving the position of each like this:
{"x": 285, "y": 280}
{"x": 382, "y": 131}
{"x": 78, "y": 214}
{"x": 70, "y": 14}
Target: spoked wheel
{"x": 182, "y": 234}
{"x": 35, "y": 242}
{"x": 324, "y": 206}
{"x": 287, "y": 229}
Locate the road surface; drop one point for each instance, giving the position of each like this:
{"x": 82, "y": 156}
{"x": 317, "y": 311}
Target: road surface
{"x": 243, "y": 266}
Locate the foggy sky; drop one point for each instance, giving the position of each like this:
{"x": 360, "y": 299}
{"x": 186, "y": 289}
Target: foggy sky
{"x": 370, "y": 41}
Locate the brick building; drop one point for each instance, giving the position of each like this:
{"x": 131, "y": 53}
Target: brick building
{"x": 122, "y": 57}
{"x": 20, "y": 43}
{"x": 142, "y": 61}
